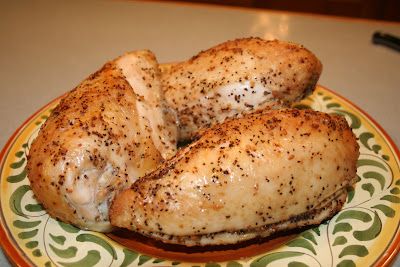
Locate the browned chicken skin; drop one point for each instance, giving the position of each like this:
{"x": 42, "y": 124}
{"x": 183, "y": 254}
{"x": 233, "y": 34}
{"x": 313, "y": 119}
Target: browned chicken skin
{"x": 235, "y": 78}
{"x": 106, "y": 133}
{"x": 247, "y": 177}
{"x": 254, "y": 172}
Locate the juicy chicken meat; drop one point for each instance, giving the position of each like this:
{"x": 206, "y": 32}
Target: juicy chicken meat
{"x": 245, "y": 178}
{"x": 106, "y": 133}
{"x": 237, "y": 77}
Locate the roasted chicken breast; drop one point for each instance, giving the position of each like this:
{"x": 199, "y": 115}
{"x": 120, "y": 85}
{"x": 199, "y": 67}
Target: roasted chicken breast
{"x": 248, "y": 177}
{"x": 237, "y": 77}
{"x": 106, "y": 133}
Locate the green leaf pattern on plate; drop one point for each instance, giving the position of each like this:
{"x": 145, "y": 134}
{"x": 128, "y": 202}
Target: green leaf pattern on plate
{"x": 341, "y": 241}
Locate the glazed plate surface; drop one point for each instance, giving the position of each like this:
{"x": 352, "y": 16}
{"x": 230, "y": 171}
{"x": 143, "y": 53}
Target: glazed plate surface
{"x": 366, "y": 231}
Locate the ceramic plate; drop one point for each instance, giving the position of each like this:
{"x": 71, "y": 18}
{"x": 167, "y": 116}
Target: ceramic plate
{"x": 364, "y": 233}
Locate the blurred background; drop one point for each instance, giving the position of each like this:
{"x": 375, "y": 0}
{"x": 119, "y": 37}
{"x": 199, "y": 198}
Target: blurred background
{"x": 369, "y": 9}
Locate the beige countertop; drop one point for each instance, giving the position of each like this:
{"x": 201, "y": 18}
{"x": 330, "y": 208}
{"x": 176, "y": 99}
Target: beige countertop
{"x": 48, "y": 47}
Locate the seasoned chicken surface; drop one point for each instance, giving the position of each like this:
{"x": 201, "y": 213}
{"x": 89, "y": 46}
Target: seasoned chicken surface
{"x": 248, "y": 177}
{"x": 237, "y": 77}
{"x": 106, "y": 133}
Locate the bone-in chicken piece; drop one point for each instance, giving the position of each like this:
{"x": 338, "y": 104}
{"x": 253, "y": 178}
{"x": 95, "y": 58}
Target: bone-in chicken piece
{"x": 245, "y": 178}
{"x": 237, "y": 77}
{"x": 106, "y": 133}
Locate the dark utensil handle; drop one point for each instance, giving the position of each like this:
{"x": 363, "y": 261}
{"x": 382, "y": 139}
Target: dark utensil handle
{"x": 386, "y": 40}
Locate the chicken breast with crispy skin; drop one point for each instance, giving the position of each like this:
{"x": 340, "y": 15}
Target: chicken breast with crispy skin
{"x": 106, "y": 133}
{"x": 237, "y": 77}
{"x": 245, "y": 178}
